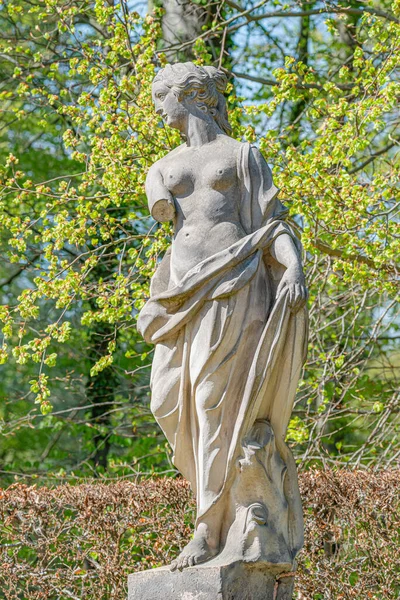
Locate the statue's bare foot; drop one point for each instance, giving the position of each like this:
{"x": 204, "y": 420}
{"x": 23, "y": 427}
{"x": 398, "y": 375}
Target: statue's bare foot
{"x": 198, "y": 550}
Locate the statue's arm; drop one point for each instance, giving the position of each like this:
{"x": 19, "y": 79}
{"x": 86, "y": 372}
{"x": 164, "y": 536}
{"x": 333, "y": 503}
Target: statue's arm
{"x": 160, "y": 199}
{"x": 285, "y": 252}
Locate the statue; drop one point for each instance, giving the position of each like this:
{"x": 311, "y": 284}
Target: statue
{"x": 227, "y": 314}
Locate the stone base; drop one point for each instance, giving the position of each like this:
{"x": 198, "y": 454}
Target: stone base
{"x": 237, "y": 581}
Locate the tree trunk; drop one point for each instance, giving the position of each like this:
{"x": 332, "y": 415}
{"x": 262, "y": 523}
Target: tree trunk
{"x": 183, "y": 22}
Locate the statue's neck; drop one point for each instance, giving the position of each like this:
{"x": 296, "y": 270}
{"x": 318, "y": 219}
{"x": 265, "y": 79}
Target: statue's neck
{"x": 200, "y": 130}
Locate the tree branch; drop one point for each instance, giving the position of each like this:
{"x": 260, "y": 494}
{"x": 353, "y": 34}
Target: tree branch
{"x": 271, "y": 15}
{"x": 316, "y": 11}
{"x": 373, "y": 156}
{"x": 305, "y": 86}
{"x": 337, "y": 253}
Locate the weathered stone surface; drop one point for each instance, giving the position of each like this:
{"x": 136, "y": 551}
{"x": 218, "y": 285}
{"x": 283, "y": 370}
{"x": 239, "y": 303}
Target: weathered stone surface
{"x": 237, "y": 581}
{"x": 227, "y": 314}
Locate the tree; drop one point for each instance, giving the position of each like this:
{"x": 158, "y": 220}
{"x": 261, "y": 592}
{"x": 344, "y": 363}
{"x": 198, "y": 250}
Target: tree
{"x": 319, "y": 92}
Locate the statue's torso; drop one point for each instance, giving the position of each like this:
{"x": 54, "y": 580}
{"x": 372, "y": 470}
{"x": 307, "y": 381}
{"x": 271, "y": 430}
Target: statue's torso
{"x": 204, "y": 183}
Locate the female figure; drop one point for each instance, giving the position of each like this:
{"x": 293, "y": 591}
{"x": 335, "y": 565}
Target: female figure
{"x": 227, "y": 314}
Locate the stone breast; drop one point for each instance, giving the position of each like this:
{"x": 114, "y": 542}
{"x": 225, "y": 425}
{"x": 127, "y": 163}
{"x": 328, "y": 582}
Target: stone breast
{"x": 219, "y": 175}
{"x": 181, "y": 180}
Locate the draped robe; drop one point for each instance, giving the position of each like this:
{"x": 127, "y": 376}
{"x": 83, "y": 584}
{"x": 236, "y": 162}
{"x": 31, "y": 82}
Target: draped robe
{"x": 228, "y": 351}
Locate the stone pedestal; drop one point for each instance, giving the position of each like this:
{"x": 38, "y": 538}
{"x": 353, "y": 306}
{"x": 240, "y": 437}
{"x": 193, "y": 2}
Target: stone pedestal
{"x": 237, "y": 581}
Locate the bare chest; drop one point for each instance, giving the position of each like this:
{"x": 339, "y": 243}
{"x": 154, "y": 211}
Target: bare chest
{"x": 198, "y": 170}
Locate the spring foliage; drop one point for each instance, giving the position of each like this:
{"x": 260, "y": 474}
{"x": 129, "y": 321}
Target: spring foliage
{"x": 75, "y": 230}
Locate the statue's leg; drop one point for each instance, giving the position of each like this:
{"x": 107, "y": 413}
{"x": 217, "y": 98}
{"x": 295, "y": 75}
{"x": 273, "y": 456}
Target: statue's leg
{"x": 222, "y": 340}
{"x": 205, "y": 542}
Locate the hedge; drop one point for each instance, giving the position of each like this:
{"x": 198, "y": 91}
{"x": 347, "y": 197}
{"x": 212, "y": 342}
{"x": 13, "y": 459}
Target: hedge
{"x": 81, "y": 541}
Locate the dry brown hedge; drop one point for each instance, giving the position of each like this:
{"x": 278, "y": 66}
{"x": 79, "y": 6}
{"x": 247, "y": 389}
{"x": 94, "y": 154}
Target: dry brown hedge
{"x": 81, "y": 541}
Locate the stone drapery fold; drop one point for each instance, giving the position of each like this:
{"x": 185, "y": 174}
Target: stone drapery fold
{"x": 228, "y": 351}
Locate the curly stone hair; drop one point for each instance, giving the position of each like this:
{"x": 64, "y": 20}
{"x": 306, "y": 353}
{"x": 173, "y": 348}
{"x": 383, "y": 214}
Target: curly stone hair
{"x": 203, "y": 85}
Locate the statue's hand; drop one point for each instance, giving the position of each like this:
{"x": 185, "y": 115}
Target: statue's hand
{"x": 293, "y": 283}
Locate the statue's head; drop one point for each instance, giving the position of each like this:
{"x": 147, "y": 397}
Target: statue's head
{"x": 184, "y": 87}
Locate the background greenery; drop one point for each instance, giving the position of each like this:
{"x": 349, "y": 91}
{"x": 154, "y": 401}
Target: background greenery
{"x": 315, "y": 85}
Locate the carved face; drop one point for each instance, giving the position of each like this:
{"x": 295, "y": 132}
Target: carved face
{"x": 168, "y": 106}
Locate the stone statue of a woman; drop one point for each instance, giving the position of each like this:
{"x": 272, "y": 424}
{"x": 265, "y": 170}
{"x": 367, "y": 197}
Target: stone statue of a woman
{"x": 227, "y": 315}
